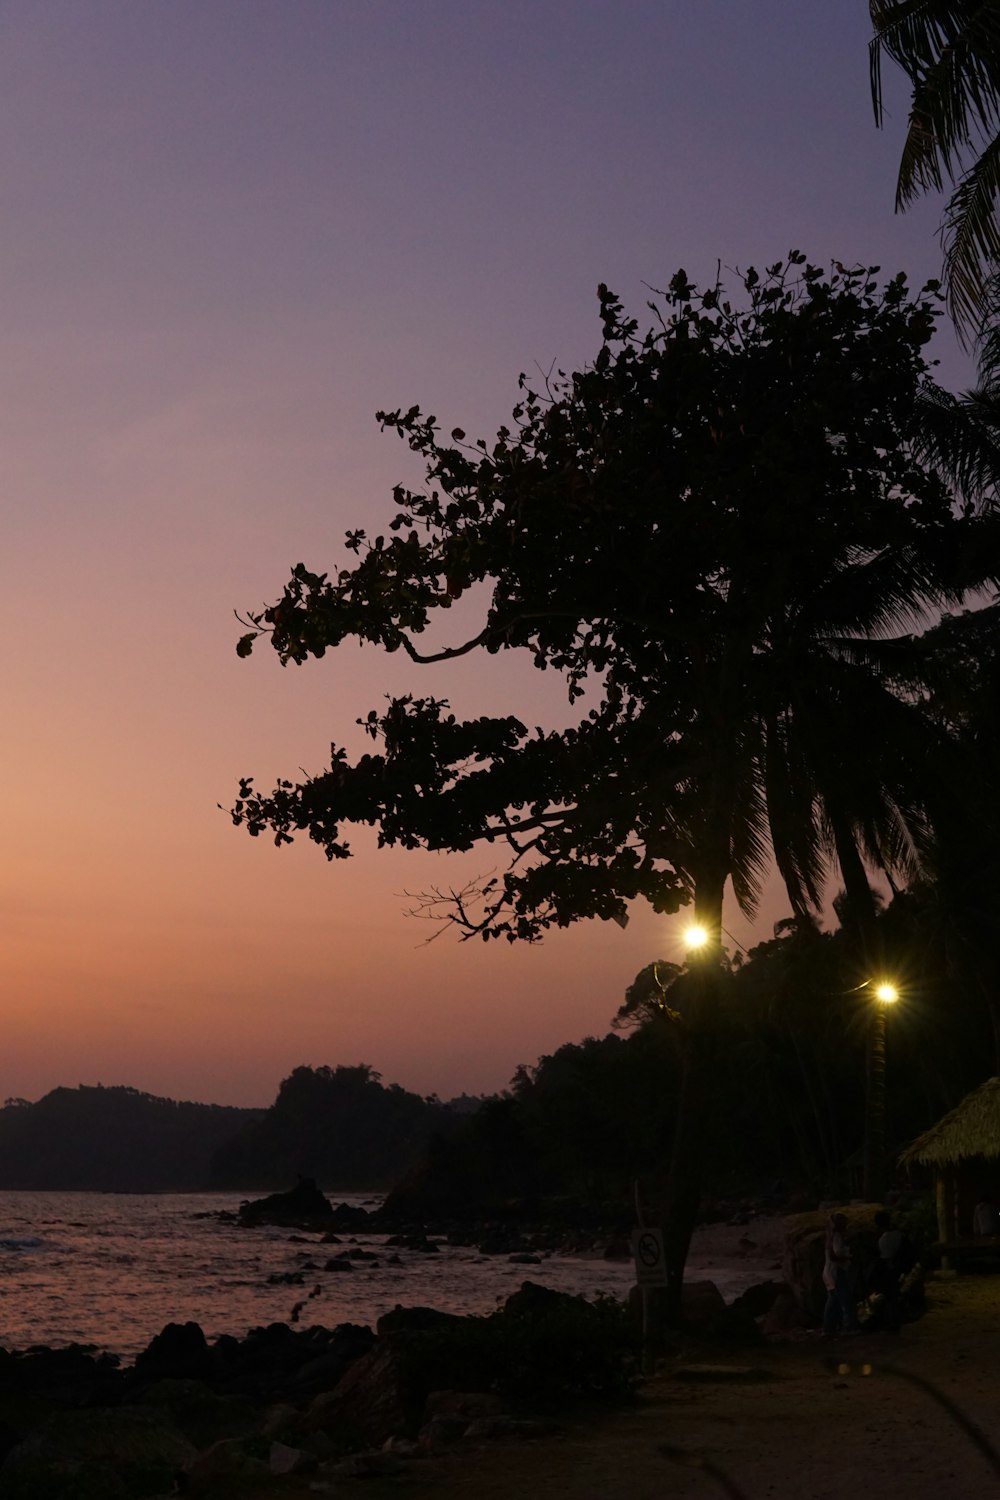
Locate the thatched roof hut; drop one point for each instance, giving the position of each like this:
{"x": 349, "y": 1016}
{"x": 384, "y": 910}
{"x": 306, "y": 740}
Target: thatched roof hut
{"x": 963, "y": 1151}
{"x": 971, "y": 1129}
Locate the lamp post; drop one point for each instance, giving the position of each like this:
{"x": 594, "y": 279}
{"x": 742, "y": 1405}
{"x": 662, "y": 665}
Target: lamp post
{"x": 683, "y": 1183}
{"x": 883, "y": 994}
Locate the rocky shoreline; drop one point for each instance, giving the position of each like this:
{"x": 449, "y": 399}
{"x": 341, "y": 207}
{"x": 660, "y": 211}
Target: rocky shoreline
{"x": 282, "y": 1401}
{"x": 329, "y": 1403}
{"x": 515, "y": 1230}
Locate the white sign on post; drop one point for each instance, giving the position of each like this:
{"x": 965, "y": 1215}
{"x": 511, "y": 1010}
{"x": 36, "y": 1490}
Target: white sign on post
{"x": 650, "y": 1258}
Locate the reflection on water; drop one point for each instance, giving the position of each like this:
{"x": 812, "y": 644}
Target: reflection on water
{"x": 111, "y": 1269}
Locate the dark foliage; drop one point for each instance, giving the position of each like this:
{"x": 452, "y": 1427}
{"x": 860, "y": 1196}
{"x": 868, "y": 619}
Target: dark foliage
{"x": 540, "y": 1348}
{"x": 339, "y": 1125}
{"x": 960, "y": 675}
{"x": 572, "y": 1134}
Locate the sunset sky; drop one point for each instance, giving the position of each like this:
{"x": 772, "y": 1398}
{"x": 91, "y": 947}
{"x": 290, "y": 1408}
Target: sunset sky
{"x": 232, "y": 231}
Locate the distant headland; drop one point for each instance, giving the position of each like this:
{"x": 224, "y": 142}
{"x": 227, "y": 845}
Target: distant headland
{"x": 339, "y": 1124}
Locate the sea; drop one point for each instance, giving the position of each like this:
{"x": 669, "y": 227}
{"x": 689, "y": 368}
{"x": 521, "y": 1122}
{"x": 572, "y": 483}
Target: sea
{"x": 112, "y": 1269}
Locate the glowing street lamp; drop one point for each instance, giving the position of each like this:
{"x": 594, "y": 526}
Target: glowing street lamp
{"x": 695, "y": 937}
{"x": 884, "y": 994}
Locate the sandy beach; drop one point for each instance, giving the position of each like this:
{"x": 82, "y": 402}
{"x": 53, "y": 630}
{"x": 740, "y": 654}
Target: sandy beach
{"x": 736, "y": 1256}
{"x": 804, "y": 1418}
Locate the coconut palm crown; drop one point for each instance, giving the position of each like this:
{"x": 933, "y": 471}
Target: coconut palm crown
{"x": 950, "y": 51}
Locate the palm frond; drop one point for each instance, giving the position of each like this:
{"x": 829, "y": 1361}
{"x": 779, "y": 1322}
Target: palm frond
{"x": 896, "y": 661}
{"x": 750, "y": 846}
{"x": 792, "y": 820}
{"x": 954, "y": 664}
{"x": 893, "y": 828}
{"x": 970, "y": 237}
{"x": 955, "y": 103}
{"x": 987, "y": 348}
{"x": 868, "y": 748}
{"x": 950, "y": 52}
{"x": 883, "y": 594}
{"x": 959, "y": 438}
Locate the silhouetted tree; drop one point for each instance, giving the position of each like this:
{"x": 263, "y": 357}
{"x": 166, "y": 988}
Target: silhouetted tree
{"x": 712, "y": 530}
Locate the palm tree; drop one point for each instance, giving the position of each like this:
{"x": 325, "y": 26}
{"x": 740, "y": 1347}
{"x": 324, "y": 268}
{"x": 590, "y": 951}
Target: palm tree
{"x": 804, "y": 751}
{"x": 950, "y": 51}
{"x": 960, "y": 669}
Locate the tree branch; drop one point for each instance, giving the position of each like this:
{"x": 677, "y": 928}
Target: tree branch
{"x": 448, "y": 653}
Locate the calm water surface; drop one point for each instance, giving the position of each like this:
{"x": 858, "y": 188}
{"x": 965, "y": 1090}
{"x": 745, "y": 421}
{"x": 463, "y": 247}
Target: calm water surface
{"x": 111, "y": 1269}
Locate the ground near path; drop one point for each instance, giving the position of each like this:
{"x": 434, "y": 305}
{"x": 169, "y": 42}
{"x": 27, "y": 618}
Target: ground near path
{"x": 808, "y": 1425}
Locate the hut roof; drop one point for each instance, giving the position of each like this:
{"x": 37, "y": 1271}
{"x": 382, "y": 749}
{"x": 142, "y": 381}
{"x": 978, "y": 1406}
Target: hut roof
{"x": 972, "y": 1128}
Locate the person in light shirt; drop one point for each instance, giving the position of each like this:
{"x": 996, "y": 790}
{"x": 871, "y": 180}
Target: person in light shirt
{"x": 840, "y": 1313}
{"x": 986, "y": 1220}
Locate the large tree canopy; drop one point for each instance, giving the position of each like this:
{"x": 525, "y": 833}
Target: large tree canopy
{"x": 711, "y": 534}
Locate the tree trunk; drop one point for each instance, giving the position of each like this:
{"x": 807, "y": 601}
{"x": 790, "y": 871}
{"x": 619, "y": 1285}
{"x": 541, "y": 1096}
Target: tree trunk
{"x": 701, "y": 991}
{"x": 873, "y": 1185}
{"x": 821, "y": 1140}
{"x": 988, "y": 991}
{"x": 862, "y": 914}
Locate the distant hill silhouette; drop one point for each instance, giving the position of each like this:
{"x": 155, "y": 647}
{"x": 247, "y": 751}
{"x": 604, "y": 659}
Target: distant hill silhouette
{"x": 341, "y": 1126}
{"x": 112, "y": 1140}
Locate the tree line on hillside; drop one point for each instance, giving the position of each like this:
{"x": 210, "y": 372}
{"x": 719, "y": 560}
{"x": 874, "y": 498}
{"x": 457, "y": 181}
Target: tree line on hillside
{"x": 112, "y": 1140}
{"x": 576, "y": 1131}
{"x": 580, "y": 1127}
{"x": 340, "y": 1125}
{"x": 337, "y": 1124}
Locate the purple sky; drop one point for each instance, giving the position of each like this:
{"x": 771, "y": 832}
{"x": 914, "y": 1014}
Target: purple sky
{"x": 232, "y": 231}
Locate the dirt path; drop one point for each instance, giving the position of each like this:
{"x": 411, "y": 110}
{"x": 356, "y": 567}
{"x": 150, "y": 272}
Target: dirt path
{"x": 800, "y": 1427}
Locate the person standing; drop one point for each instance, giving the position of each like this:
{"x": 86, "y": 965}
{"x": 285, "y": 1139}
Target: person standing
{"x": 985, "y": 1219}
{"x": 895, "y": 1259}
{"x": 840, "y": 1313}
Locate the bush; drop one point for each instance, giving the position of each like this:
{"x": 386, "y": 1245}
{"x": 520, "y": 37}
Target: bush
{"x": 540, "y": 1347}
{"x": 919, "y": 1224}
